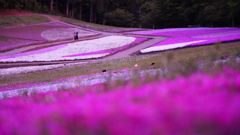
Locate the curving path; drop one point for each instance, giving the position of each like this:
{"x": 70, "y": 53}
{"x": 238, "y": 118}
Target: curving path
{"x": 125, "y": 53}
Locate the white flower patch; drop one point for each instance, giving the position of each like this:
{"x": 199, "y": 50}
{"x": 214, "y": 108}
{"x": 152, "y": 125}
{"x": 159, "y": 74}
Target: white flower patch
{"x": 63, "y": 33}
{"x": 85, "y": 80}
{"x": 104, "y": 43}
{"x": 17, "y": 70}
{"x": 27, "y": 69}
{"x": 170, "y": 46}
{"x": 76, "y": 48}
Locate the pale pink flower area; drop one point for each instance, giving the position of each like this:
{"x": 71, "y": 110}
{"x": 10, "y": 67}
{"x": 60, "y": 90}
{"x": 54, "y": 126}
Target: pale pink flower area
{"x": 31, "y": 32}
{"x": 24, "y": 35}
{"x": 197, "y": 104}
{"x": 182, "y": 37}
{"x": 64, "y": 33}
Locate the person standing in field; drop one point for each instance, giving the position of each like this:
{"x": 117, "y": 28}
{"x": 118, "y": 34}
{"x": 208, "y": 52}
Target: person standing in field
{"x": 75, "y": 36}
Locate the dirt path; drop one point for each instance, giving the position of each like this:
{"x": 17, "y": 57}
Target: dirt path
{"x": 125, "y": 53}
{"x": 128, "y": 52}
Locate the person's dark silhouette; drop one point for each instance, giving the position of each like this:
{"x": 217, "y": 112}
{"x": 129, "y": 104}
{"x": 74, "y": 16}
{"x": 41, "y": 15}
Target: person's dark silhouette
{"x": 76, "y": 36}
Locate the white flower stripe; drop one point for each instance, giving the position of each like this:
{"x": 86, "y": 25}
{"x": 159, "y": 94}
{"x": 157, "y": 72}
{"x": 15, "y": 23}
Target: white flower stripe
{"x": 76, "y": 48}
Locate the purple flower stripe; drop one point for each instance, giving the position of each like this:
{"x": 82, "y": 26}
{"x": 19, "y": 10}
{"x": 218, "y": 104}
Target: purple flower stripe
{"x": 190, "y": 36}
{"x": 183, "y": 31}
{"x": 14, "y": 43}
{"x": 190, "y": 33}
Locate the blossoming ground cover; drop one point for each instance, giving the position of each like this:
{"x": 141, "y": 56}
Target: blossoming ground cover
{"x": 38, "y": 74}
{"x": 78, "y": 50}
{"x": 18, "y": 36}
{"x": 200, "y": 104}
{"x": 183, "y": 37}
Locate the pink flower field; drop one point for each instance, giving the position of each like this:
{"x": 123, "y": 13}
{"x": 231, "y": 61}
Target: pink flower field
{"x": 200, "y": 104}
{"x": 99, "y": 84}
{"x": 183, "y": 37}
{"x": 23, "y": 35}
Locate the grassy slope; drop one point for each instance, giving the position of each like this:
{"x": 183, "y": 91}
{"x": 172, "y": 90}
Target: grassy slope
{"x": 180, "y": 57}
{"x": 98, "y": 27}
{"x": 7, "y": 21}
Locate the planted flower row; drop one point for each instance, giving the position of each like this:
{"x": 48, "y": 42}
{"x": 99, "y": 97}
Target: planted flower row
{"x": 200, "y": 104}
{"x": 78, "y": 50}
{"x": 182, "y": 37}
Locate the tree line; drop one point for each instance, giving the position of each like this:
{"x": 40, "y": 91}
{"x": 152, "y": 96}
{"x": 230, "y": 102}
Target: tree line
{"x": 139, "y": 13}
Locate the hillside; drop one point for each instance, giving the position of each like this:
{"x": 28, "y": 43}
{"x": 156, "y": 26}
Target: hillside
{"x": 116, "y": 80}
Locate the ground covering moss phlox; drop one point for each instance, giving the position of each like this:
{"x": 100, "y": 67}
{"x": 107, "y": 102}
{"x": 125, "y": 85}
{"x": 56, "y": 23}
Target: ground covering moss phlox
{"x": 197, "y": 104}
{"x": 183, "y": 37}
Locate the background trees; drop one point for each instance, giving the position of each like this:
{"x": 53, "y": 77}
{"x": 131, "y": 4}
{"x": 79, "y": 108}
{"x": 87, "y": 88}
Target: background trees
{"x": 120, "y": 17}
{"x": 138, "y": 13}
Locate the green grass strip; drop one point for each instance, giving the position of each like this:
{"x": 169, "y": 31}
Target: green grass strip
{"x": 7, "y": 21}
{"x": 94, "y": 26}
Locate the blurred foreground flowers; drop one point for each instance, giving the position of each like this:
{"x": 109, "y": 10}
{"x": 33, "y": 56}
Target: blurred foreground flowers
{"x": 197, "y": 104}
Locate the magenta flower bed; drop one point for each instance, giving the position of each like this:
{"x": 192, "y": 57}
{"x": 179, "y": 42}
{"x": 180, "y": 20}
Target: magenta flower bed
{"x": 182, "y": 37}
{"x": 14, "y": 43}
{"x": 173, "y": 32}
{"x": 198, "y": 104}
{"x": 24, "y": 35}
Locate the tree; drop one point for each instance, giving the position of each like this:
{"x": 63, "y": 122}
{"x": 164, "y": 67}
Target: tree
{"x": 51, "y": 6}
{"x": 120, "y": 17}
{"x": 213, "y": 14}
{"x": 92, "y": 10}
{"x": 149, "y": 14}
{"x": 80, "y": 9}
{"x": 234, "y": 11}
{"x": 67, "y": 8}
{"x": 146, "y": 13}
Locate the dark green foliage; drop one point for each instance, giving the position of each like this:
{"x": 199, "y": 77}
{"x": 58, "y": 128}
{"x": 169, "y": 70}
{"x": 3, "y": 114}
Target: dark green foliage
{"x": 139, "y": 13}
{"x": 120, "y": 17}
{"x": 32, "y": 5}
